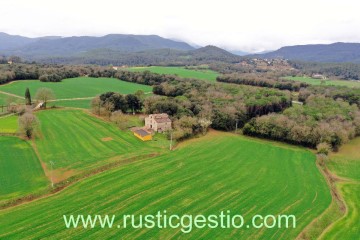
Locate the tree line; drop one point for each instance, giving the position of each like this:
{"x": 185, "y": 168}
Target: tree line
{"x": 321, "y": 120}
{"x": 261, "y": 81}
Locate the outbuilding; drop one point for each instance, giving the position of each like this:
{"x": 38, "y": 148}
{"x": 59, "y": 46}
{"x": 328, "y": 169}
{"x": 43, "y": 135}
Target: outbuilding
{"x": 143, "y": 135}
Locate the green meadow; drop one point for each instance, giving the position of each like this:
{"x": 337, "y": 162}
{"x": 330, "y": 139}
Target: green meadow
{"x": 81, "y": 87}
{"x": 9, "y": 124}
{"x": 73, "y": 139}
{"x": 202, "y": 74}
{"x": 20, "y": 170}
{"x": 327, "y": 82}
{"x": 2, "y": 99}
{"x": 82, "y": 103}
{"x": 207, "y": 175}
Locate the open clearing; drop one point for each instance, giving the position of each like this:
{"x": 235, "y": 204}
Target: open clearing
{"x": 81, "y": 87}
{"x": 328, "y": 82}
{"x": 346, "y": 164}
{"x": 253, "y": 177}
{"x": 20, "y": 169}
{"x": 73, "y": 139}
{"x": 9, "y": 124}
{"x": 203, "y": 74}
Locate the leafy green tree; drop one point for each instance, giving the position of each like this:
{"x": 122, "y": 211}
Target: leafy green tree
{"x": 133, "y": 102}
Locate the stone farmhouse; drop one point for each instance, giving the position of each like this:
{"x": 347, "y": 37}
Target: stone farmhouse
{"x": 158, "y": 122}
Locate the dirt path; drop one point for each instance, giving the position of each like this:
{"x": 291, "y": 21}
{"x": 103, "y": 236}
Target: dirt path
{"x": 10, "y": 94}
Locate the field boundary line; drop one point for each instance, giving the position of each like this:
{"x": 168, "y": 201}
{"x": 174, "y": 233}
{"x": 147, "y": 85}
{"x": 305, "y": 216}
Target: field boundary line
{"x": 12, "y": 95}
{"x": 59, "y": 187}
{"x": 336, "y": 198}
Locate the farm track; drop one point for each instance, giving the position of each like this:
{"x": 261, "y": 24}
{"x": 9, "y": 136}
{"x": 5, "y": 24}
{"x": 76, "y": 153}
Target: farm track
{"x": 12, "y": 95}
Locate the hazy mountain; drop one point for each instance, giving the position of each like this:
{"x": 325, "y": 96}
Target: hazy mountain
{"x": 57, "y": 46}
{"x": 166, "y": 56}
{"x": 8, "y": 42}
{"x": 336, "y": 52}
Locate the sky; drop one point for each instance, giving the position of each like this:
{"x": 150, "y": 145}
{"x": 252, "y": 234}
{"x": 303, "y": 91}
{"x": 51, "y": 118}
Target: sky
{"x": 243, "y": 25}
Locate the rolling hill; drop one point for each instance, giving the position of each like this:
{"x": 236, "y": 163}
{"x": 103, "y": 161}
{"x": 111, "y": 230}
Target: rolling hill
{"x": 336, "y": 52}
{"x": 64, "y": 46}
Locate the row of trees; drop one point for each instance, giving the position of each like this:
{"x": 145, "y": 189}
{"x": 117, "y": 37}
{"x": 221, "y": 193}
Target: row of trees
{"x": 50, "y": 73}
{"x": 261, "y": 81}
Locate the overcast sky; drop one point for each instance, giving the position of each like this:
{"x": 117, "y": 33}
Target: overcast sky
{"x": 248, "y": 25}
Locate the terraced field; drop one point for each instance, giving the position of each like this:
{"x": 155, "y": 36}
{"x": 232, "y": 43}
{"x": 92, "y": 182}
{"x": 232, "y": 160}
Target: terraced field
{"x": 314, "y": 81}
{"x": 82, "y": 87}
{"x": 346, "y": 165}
{"x": 253, "y": 177}
{"x": 9, "y": 124}
{"x": 203, "y": 74}
{"x": 74, "y": 139}
{"x": 20, "y": 169}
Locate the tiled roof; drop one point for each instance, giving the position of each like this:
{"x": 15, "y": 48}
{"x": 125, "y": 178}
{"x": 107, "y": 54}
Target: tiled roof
{"x": 162, "y": 120}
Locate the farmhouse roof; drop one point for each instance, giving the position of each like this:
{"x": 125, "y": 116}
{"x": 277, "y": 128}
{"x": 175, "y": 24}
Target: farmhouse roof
{"x": 161, "y": 118}
{"x": 142, "y": 132}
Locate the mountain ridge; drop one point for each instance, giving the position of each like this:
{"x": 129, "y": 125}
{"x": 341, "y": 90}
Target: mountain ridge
{"x": 335, "y": 52}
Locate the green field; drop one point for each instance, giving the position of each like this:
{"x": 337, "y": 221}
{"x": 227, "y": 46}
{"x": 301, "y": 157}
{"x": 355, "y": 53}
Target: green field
{"x": 346, "y": 164}
{"x": 203, "y": 74}
{"x": 85, "y": 103}
{"x": 2, "y": 99}
{"x": 214, "y": 173}
{"x": 20, "y": 169}
{"x": 74, "y": 139}
{"x": 76, "y": 87}
{"x": 9, "y": 124}
{"x": 313, "y": 81}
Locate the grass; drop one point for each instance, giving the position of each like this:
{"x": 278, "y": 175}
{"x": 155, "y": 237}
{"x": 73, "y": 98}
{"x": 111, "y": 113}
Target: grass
{"x": 346, "y": 164}
{"x": 204, "y": 176}
{"x": 76, "y": 87}
{"x": 84, "y": 103}
{"x": 20, "y": 169}
{"x": 203, "y": 74}
{"x": 313, "y": 81}
{"x": 75, "y": 140}
{"x": 3, "y": 98}
{"x": 9, "y": 124}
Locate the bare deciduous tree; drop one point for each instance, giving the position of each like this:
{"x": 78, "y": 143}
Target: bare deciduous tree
{"x": 28, "y": 123}
{"x": 44, "y": 95}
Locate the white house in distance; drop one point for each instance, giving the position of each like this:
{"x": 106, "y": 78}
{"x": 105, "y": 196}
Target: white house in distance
{"x": 158, "y": 122}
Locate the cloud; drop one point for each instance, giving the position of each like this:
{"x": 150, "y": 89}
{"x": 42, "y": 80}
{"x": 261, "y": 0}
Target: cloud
{"x": 238, "y": 25}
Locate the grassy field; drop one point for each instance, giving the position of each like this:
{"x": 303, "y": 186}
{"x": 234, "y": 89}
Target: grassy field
{"x": 76, "y": 87}
{"x": 2, "y": 99}
{"x": 20, "y": 169}
{"x": 314, "y": 81}
{"x": 74, "y": 139}
{"x": 9, "y": 124}
{"x": 203, "y": 74}
{"x": 346, "y": 164}
{"x": 203, "y": 176}
{"x": 84, "y": 103}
